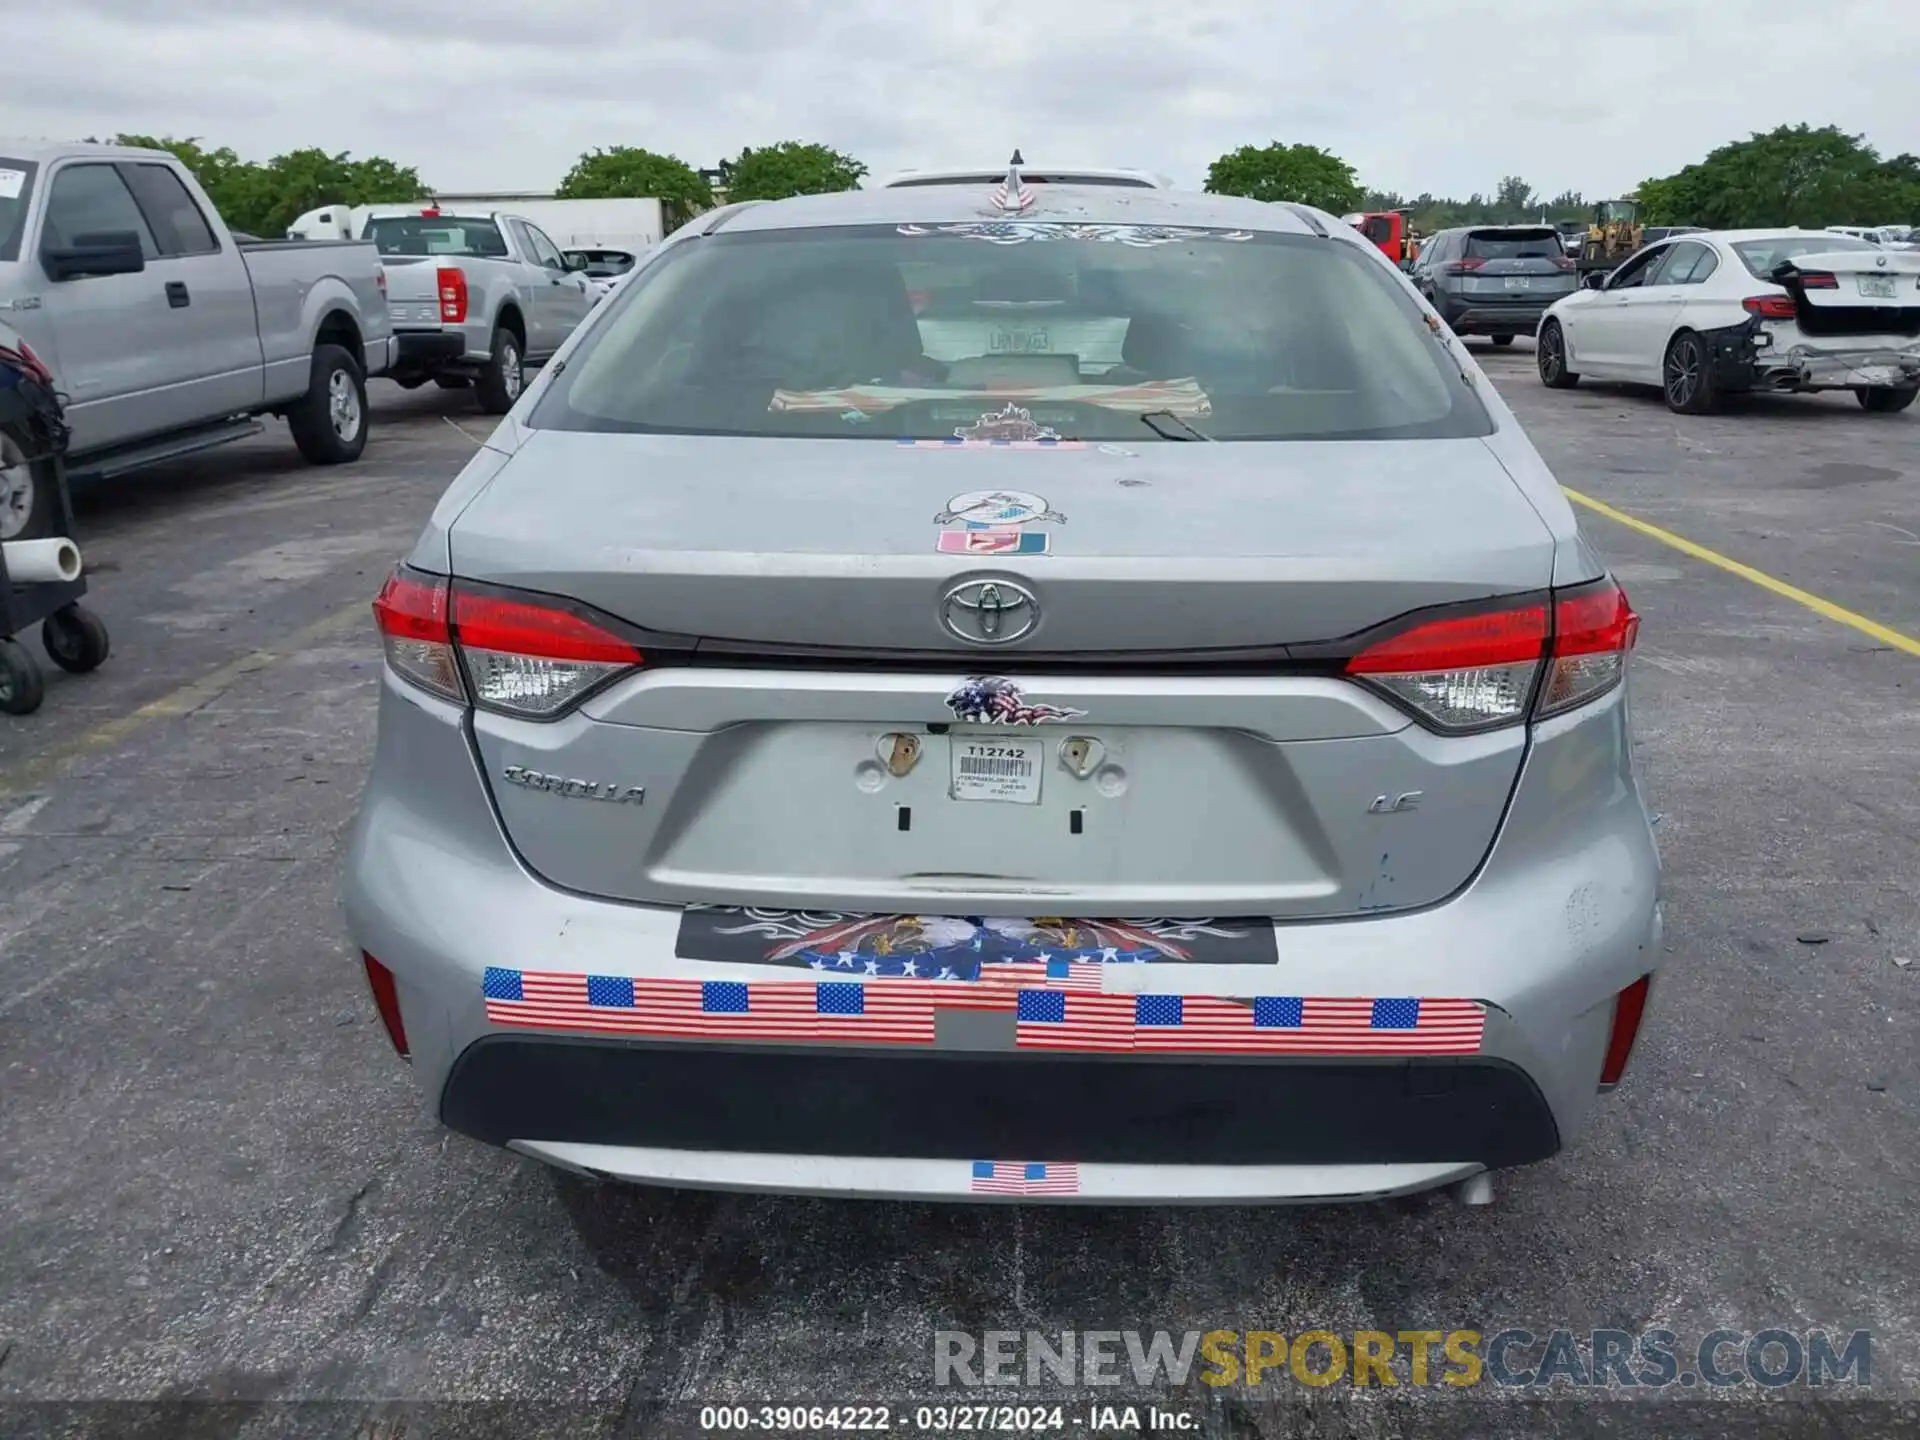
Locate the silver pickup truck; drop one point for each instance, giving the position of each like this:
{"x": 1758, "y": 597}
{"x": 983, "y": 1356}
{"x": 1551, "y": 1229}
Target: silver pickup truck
{"x": 474, "y": 296}
{"x": 167, "y": 335}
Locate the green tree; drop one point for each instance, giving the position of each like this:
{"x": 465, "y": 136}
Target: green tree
{"x": 1513, "y": 199}
{"x": 625, "y": 171}
{"x": 1793, "y": 175}
{"x": 1567, "y": 205}
{"x": 265, "y": 199}
{"x": 221, "y": 173}
{"x": 793, "y": 167}
{"x": 289, "y": 185}
{"x": 1305, "y": 174}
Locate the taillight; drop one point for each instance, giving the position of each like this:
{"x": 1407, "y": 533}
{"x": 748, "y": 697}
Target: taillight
{"x": 1563, "y": 262}
{"x": 386, "y": 999}
{"x": 1769, "y": 307}
{"x": 1464, "y": 672}
{"x": 1629, "y": 1008}
{"x": 411, "y": 611}
{"x": 1479, "y": 671}
{"x": 380, "y": 279}
{"x": 531, "y": 657}
{"x": 453, "y": 294}
{"x": 1462, "y": 267}
{"x": 1817, "y": 280}
{"x": 518, "y": 654}
{"x": 1593, "y": 631}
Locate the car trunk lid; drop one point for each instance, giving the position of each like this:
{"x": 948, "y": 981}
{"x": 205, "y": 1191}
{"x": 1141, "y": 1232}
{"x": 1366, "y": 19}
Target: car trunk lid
{"x": 1854, "y": 292}
{"x": 840, "y": 543}
{"x": 812, "y": 738}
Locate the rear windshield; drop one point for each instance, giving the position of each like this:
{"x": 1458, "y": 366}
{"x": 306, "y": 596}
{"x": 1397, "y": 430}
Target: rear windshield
{"x": 1015, "y": 331}
{"x": 436, "y": 235}
{"x": 603, "y": 262}
{"x": 16, "y": 188}
{"x": 1540, "y": 244}
{"x": 1761, "y": 256}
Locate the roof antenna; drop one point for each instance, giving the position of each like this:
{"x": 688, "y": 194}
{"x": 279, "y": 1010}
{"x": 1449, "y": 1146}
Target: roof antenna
{"x": 1013, "y": 194}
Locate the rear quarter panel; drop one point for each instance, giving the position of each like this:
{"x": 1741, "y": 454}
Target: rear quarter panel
{"x": 297, "y": 286}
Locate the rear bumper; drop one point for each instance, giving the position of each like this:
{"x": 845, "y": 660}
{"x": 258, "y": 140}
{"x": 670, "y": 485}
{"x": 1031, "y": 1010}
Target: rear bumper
{"x": 1806, "y": 366}
{"x": 425, "y": 352}
{"x": 1481, "y": 317}
{"x": 1563, "y": 915}
{"x": 885, "y": 1103}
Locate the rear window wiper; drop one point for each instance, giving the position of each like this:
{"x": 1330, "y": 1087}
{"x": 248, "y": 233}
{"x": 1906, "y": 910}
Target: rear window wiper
{"x": 1173, "y": 428}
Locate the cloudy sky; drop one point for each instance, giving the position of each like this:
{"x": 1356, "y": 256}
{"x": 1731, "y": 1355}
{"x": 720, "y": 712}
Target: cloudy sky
{"x": 1440, "y": 95}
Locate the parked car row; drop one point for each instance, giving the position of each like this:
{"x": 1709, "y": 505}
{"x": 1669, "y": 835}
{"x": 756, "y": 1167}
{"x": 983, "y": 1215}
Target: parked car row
{"x": 1717, "y": 312}
{"x": 474, "y": 297}
{"x": 167, "y": 333}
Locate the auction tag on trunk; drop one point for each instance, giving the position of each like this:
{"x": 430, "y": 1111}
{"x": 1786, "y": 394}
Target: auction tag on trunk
{"x": 988, "y": 767}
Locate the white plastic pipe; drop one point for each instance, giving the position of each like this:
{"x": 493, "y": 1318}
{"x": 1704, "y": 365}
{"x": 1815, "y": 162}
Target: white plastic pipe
{"x": 31, "y": 561}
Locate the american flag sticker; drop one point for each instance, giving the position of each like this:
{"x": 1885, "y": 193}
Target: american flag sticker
{"x": 992, "y": 542}
{"x": 1296, "y": 1025}
{"x": 1012, "y": 1177}
{"x": 1057, "y": 1005}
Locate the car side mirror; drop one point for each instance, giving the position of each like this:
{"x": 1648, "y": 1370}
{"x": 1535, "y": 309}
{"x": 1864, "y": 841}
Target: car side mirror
{"x": 107, "y": 252}
{"x": 1595, "y": 280}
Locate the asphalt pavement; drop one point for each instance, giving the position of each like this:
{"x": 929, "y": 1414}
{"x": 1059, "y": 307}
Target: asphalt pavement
{"x": 218, "y": 1185}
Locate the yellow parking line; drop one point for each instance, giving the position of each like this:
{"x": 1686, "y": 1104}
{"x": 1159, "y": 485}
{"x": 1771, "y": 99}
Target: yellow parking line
{"x": 184, "y": 701}
{"x": 1765, "y": 581}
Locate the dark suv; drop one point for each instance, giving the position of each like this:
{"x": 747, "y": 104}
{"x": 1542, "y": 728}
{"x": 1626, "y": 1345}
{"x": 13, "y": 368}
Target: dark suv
{"x": 1494, "y": 279}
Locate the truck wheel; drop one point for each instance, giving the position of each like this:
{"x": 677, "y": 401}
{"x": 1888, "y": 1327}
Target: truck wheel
{"x": 500, "y": 383}
{"x": 453, "y": 382}
{"x": 26, "y": 495}
{"x": 329, "y": 422}
{"x": 1880, "y": 399}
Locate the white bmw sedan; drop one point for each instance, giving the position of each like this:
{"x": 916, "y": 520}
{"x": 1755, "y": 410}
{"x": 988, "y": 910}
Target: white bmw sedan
{"x": 1728, "y": 310}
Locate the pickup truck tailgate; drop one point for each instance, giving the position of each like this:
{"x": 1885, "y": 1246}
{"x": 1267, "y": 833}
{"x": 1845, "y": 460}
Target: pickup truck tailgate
{"x": 413, "y": 293}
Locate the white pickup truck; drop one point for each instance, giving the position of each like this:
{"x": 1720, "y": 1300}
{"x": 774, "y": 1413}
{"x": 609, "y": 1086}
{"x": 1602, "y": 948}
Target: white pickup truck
{"x": 474, "y": 297}
{"x": 166, "y": 334}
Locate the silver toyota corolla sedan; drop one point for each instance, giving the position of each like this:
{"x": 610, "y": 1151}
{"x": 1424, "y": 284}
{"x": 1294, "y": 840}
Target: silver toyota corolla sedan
{"x": 1000, "y": 693}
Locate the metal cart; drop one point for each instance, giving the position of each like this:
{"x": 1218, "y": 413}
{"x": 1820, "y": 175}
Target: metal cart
{"x": 74, "y": 637}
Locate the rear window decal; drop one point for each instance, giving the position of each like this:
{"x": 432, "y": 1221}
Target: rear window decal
{"x": 1182, "y": 397}
{"x": 1025, "y": 232}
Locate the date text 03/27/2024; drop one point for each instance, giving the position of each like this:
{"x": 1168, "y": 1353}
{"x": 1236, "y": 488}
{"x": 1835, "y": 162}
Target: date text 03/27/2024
{"x": 946, "y": 1419}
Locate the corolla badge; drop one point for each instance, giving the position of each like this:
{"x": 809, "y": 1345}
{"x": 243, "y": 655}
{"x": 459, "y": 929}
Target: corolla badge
{"x": 996, "y": 700}
{"x": 574, "y": 789}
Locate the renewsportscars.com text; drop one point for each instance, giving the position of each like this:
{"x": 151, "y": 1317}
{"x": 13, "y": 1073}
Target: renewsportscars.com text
{"x": 1651, "y": 1359}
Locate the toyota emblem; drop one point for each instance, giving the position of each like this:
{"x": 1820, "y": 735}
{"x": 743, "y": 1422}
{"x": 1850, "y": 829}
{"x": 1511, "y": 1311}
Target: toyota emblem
{"x": 989, "y": 612}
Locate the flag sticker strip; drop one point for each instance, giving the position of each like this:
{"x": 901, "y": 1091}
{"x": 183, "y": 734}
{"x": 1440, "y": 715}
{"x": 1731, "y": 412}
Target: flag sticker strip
{"x": 1010, "y": 1177}
{"x": 1056, "y": 1005}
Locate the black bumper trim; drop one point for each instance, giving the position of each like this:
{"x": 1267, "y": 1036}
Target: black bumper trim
{"x": 425, "y": 350}
{"x": 1495, "y": 319}
{"x": 960, "y": 1105}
